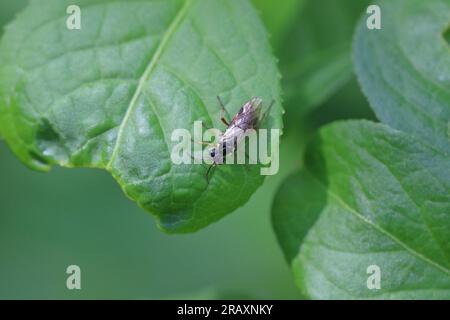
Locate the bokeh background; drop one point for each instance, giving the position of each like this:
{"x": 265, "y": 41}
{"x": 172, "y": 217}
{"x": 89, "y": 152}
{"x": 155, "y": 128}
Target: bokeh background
{"x": 49, "y": 221}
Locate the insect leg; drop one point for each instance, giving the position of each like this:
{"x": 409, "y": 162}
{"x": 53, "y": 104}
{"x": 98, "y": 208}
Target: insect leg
{"x": 201, "y": 142}
{"x": 222, "y": 112}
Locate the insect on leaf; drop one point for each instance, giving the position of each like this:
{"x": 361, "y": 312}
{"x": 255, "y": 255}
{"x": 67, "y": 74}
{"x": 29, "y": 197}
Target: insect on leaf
{"x": 110, "y": 94}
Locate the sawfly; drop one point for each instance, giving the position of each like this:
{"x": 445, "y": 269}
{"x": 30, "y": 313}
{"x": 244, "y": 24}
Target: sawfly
{"x": 248, "y": 117}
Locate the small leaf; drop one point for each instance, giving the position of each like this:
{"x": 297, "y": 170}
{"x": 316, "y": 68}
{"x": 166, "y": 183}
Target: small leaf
{"x": 369, "y": 195}
{"x": 404, "y": 68}
{"x": 314, "y": 49}
{"x": 109, "y": 95}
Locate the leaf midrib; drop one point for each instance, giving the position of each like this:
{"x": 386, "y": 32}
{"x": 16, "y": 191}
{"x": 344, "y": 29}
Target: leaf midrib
{"x": 146, "y": 75}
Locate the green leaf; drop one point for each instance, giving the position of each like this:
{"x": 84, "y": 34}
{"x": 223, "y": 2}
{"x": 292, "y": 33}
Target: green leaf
{"x": 109, "y": 95}
{"x": 315, "y": 53}
{"x": 7, "y": 10}
{"x": 369, "y": 195}
{"x": 404, "y": 68}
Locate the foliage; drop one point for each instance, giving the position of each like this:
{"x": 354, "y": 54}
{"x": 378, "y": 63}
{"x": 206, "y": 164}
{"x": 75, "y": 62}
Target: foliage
{"x": 109, "y": 96}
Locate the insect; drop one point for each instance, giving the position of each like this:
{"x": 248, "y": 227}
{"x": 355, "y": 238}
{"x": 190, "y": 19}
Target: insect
{"x": 248, "y": 117}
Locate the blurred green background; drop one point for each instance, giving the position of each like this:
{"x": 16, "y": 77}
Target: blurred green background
{"x": 80, "y": 216}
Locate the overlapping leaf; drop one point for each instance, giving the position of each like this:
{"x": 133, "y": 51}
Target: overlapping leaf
{"x": 369, "y": 194}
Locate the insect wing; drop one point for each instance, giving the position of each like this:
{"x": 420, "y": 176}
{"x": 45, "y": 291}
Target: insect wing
{"x": 231, "y": 138}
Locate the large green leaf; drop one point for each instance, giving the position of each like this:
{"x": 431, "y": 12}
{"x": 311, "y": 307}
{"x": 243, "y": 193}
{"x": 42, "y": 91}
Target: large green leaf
{"x": 109, "y": 95}
{"x": 404, "y": 68}
{"x": 368, "y": 195}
